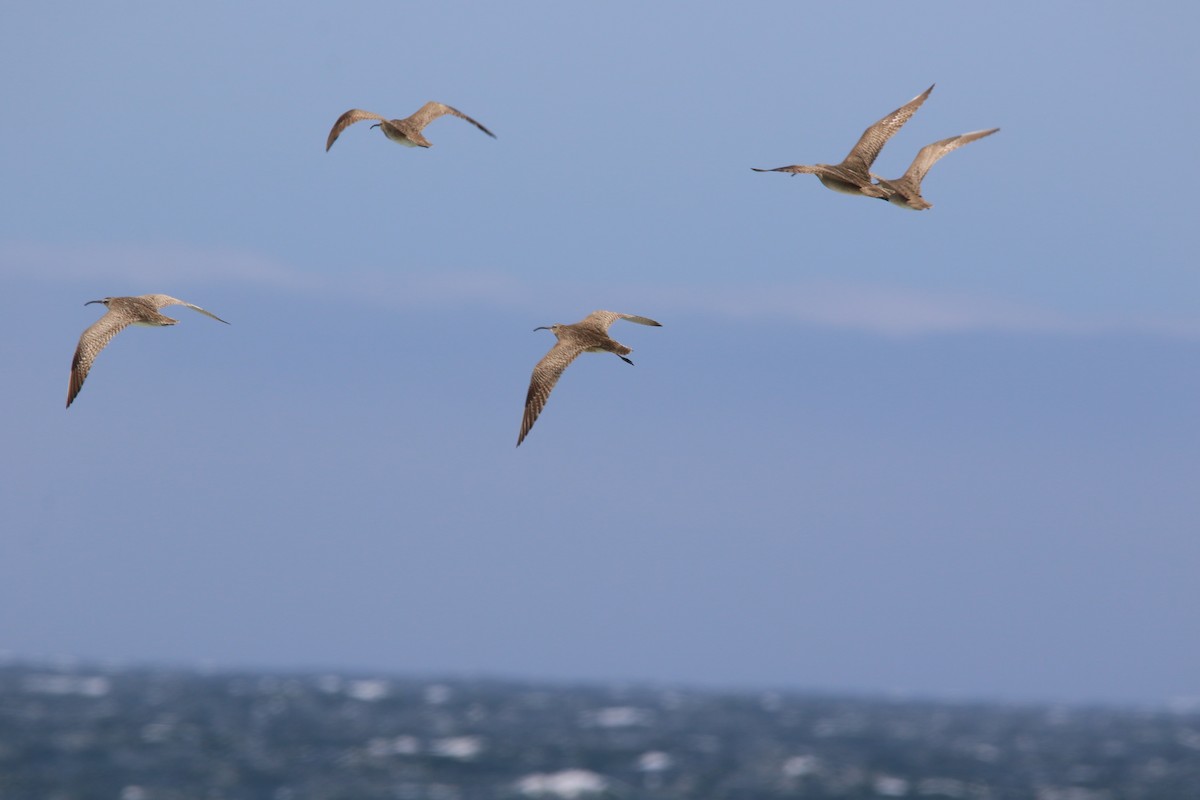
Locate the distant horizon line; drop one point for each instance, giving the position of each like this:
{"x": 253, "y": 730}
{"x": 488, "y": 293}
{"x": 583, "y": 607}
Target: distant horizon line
{"x": 108, "y": 667}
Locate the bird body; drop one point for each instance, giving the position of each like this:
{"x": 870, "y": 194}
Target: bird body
{"x": 397, "y": 134}
{"x": 589, "y": 335}
{"x": 405, "y": 131}
{"x": 905, "y": 191}
{"x": 142, "y": 311}
{"x": 853, "y": 174}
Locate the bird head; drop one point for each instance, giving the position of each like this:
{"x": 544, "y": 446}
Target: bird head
{"x": 552, "y": 328}
{"x": 105, "y": 301}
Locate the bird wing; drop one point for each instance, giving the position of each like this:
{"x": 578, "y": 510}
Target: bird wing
{"x": 91, "y": 342}
{"x": 795, "y": 169}
{"x": 432, "y": 110}
{"x": 164, "y": 300}
{"x": 875, "y": 137}
{"x": 603, "y": 319}
{"x": 930, "y": 153}
{"x": 345, "y": 121}
{"x": 545, "y": 376}
{"x": 640, "y": 320}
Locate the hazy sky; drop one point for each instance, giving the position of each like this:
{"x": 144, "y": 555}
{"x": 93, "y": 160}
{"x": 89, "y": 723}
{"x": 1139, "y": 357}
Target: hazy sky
{"x": 953, "y": 452}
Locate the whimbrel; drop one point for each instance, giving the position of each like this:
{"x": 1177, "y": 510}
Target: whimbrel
{"x": 905, "y": 191}
{"x": 853, "y": 175}
{"x": 589, "y": 335}
{"x": 405, "y": 131}
{"x": 122, "y": 312}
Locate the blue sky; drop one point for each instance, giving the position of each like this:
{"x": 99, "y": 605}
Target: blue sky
{"x": 950, "y": 453}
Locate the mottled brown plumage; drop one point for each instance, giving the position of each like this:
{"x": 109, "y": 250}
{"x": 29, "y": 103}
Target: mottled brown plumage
{"x": 589, "y": 335}
{"x": 905, "y": 191}
{"x": 122, "y": 312}
{"x": 853, "y": 174}
{"x": 405, "y": 131}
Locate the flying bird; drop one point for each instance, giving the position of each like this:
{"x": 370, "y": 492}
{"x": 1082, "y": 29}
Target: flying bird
{"x": 589, "y": 335}
{"x": 905, "y": 191}
{"x": 853, "y": 174}
{"x": 122, "y": 312}
{"x": 405, "y": 131}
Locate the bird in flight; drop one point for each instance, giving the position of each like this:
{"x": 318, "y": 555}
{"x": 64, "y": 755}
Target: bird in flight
{"x": 406, "y": 131}
{"x": 589, "y": 335}
{"x": 853, "y": 174}
{"x": 905, "y": 191}
{"x": 122, "y": 312}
